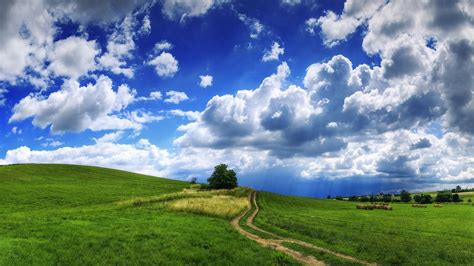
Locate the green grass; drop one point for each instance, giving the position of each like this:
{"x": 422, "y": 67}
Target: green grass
{"x": 406, "y": 235}
{"x": 68, "y": 215}
{"x": 466, "y": 196}
{"x": 328, "y": 259}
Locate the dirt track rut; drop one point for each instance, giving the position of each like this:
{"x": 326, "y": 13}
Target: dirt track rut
{"x": 276, "y": 242}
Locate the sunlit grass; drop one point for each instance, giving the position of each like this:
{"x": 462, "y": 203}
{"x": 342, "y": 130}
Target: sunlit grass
{"x": 225, "y": 203}
{"x": 222, "y": 206}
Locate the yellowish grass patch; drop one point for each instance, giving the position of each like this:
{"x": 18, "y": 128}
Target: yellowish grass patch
{"x": 220, "y": 205}
{"x": 226, "y": 203}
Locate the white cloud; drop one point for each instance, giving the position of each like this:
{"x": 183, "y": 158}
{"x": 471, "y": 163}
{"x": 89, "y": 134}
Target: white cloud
{"x": 110, "y": 137}
{"x": 291, "y": 2}
{"x": 165, "y": 65}
{"x": 336, "y": 28}
{"x": 102, "y": 12}
{"x": 16, "y": 130}
{"x": 156, "y": 95}
{"x": 3, "y": 99}
{"x": 274, "y": 53}
{"x": 190, "y": 115}
{"x": 120, "y": 45}
{"x": 52, "y": 143}
{"x": 19, "y": 50}
{"x": 254, "y": 25}
{"x": 176, "y": 97}
{"x": 180, "y": 10}
{"x": 145, "y": 29}
{"x": 76, "y": 108}
{"x": 140, "y": 157}
{"x": 206, "y": 81}
{"x": 28, "y": 31}
{"x": 311, "y": 24}
{"x": 73, "y": 57}
{"x": 163, "y": 46}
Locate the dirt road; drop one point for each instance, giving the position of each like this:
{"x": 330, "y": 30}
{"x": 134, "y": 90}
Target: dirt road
{"x": 276, "y": 241}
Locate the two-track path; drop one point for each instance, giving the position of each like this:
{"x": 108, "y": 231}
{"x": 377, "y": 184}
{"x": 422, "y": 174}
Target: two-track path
{"x": 276, "y": 242}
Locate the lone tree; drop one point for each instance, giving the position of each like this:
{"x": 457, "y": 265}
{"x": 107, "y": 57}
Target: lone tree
{"x": 222, "y": 178}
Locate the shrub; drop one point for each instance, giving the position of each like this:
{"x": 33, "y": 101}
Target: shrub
{"x": 426, "y": 199}
{"x": 353, "y": 198}
{"x": 364, "y": 199}
{"x": 387, "y": 198}
{"x": 222, "y": 178}
{"x": 469, "y": 200}
{"x": 456, "y": 198}
{"x": 444, "y": 196}
{"x": 405, "y": 196}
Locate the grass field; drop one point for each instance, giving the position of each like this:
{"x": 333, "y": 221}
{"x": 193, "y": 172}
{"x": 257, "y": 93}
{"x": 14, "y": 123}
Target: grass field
{"x": 406, "y": 235}
{"x": 69, "y": 215}
{"x": 467, "y": 196}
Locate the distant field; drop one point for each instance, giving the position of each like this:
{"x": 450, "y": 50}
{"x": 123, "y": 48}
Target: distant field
{"x": 69, "y": 215}
{"x": 406, "y": 235}
{"x": 466, "y": 196}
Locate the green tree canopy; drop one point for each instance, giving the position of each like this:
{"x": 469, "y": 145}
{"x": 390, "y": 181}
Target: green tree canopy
{"x": 222, "y": 178}
{"x": 405, "y": 196}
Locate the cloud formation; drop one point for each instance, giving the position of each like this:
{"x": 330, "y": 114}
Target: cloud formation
{"x": 176, "y": 97}
{"x": 274, "y": 53}
{"x": 76, "y": 108}
{"x": 206, "y": 81}
{"x": 165, "y": 65}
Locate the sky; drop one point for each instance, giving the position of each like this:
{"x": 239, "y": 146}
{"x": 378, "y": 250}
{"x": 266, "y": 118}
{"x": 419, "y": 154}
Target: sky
{"x": 299, "y": 97}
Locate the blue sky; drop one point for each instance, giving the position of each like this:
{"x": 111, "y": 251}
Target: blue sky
{"x": 300, "y": 97}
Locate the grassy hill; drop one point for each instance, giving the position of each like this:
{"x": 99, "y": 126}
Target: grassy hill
{"x": 66, "y": 214}
{"x": 404, "y": 236}
{"x": 80, "y": 215}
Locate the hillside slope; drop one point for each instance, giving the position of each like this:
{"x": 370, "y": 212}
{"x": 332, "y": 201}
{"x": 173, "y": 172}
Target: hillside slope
{"x": 403, "y": 236}
{"x": 67, "y": 214}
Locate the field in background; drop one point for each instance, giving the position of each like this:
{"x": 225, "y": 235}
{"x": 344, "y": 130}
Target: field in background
{"x": 406, "y": 235}
{"x": 64, "y": 214}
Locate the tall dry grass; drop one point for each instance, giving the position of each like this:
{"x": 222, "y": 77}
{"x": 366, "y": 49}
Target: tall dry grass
{"x": 220, "y": 205}
{"x": 226, "y": 203}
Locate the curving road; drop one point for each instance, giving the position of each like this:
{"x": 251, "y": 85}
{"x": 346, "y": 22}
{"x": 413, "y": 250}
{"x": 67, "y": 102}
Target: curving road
{"x": 276, "y": 241}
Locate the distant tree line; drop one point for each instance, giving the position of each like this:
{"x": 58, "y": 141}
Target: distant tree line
{"x": 459, "y": 189}
{"x": 405, "y": 196}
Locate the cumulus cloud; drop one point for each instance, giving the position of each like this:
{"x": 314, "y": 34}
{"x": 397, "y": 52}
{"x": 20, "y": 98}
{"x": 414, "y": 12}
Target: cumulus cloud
{"x": 206, "y": 81}
{"x": 335, "y": 28}
{"x": 176, "y": 97}
{"x": 76, "y": 108}
{"x": 28, "y": 30}
{"x": 165, "y": 65}
{"x": 120, "y": 45}
{"x": 73, "y": 57}
{"x": 274, "y": 53}
{"x": 180, "y": 10}
{"x": 86, "y": 12}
